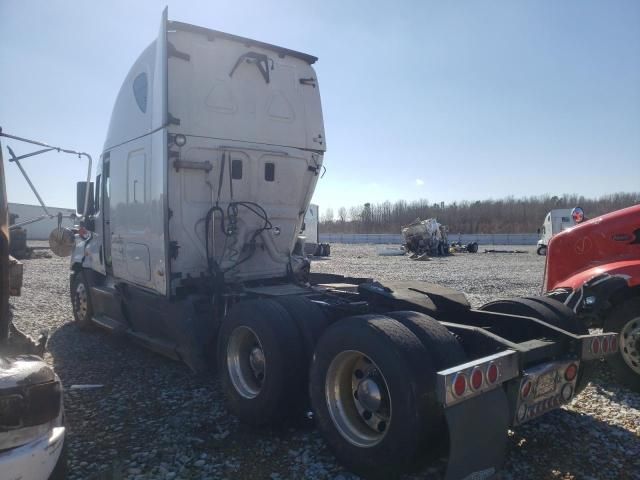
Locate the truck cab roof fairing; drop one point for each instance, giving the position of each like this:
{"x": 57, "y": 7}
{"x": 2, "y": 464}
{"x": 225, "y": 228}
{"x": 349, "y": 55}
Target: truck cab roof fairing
{"x": 212, "y": 34}
{"x": 129, "y": 119}
{"x": 150, "y": 75}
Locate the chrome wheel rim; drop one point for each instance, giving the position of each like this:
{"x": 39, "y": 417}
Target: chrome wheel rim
{"x": 82, "y": 304}
{"x": 358, "y": 400}
{"x": 630, "y": 344}
{"x": 246, "y": 362}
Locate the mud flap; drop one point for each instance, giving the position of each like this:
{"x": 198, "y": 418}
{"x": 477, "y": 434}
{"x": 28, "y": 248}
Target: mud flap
{"x": 477, "y": 436}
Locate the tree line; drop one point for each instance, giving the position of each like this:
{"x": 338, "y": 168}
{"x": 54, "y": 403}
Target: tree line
{"x": 506, "y": 215}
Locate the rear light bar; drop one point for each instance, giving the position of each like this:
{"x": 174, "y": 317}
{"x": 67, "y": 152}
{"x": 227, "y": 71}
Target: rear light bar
{"x": 599, "y": 345}
{"x": 468, "y": 380}
{"x": 545, "y": 387}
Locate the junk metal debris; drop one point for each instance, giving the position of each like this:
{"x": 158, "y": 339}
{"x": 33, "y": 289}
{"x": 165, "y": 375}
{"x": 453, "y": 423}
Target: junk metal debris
{"x": 425, "y": 237}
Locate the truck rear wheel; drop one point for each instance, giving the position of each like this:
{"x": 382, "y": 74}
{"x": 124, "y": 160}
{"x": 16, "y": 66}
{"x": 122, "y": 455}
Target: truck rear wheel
{"x": 440, "y": 343}
{"x": 309, "y": 319}
{"x": 371, "y": 386}
{"x": 542, "y": 250}
{"x": 625, "y": 320}
{"x": 541, "y": 309}
{"x": 260, "y": 361}
{"x": 80, "y": 300}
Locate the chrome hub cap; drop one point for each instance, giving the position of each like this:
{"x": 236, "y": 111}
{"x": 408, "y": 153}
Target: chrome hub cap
{"x": 358, "y": 398}
{"x": 630, "y": 344}
{"x": 81, "y": 302}
{"x": 246, "y": 362}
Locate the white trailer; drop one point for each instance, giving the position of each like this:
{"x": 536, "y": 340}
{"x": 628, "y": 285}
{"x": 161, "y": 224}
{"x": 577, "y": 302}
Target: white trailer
{"x": 189, "y": 245}
{"x": 311, "y": 234}
{"x": 555, "y": 222}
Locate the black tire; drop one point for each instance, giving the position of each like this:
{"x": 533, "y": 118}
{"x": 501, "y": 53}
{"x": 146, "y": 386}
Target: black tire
{"x": 81, "y": 302}
{"x": 472, "y": 247}
{"x": 442, "y": 346}
{"x": 309, "y": 319}
{"x": 282, "y": 385}
{"x": 409, "y": 377}
{"x": 541, "y": 308}
{"x": 619, "y": 316}
{"x": 327, "y": 250}
{"x": 541, "y": 250}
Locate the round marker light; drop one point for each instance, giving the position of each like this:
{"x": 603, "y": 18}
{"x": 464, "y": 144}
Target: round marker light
{"x": 180, "y": 140}
{"x": 605, "y": 345}
{"x": 492, "y": 373}
{"x": 577, "y": 214}
{"x": 571, "y": 372}
{"x": 595, "y": 345}
{"x": 476, "y": 379}
{"x": 459, "y": 385}
{"x": 526, "y": 389}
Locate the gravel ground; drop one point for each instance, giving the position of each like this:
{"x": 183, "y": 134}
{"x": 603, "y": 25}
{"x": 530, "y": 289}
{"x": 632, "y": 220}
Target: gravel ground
{"x": 154, "y": 419}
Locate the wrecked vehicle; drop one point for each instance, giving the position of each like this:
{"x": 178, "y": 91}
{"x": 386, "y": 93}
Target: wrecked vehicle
{"x": 31, "y": 411}
{"x": 425, "y": 238}
{"x": 187, "y": 245}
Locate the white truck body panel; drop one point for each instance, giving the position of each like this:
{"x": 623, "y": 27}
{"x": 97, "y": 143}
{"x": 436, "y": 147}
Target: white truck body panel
{"x": 311, "y": 220}
{"x": 555, "y": 222}
{"x": 268, "y": 127}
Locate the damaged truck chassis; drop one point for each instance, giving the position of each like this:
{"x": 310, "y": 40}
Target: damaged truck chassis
{"x": 189, "y": 245}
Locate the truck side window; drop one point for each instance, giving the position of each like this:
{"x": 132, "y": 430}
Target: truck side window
{"x": 236, "y": 169}
{"x": 269, "y": 171}
{"x": 140, "y": 91}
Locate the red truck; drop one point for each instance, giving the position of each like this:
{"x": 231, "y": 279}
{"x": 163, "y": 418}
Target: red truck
{"x": 594, "y": 269}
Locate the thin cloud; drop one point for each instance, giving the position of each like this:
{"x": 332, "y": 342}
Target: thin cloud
{"x": 419, "y": 182}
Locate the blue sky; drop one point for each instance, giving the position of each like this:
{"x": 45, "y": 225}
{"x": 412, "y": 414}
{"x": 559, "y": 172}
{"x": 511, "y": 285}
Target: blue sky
{"x": 442, "y": 100}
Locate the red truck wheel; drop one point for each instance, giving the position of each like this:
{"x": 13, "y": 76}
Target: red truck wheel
{"x": 625, "y": 320}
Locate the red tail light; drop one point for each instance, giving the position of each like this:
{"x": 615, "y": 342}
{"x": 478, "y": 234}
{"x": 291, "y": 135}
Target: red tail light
{"x": 459, "y": 385}
{"x": 571, "y": 372}
{"x": 595, "y": 345}
{"x": 605, "y": 345}
{"x": 613, "y": 346}
{"x": 476, "y": 379}
{"x": 492, "y": 373}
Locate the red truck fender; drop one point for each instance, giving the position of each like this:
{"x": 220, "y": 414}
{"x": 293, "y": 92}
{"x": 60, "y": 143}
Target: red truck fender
{"x": 630, "y": 269}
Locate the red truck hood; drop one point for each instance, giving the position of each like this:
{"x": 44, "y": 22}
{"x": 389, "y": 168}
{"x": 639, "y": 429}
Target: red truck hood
{"x": 607, "y": 244}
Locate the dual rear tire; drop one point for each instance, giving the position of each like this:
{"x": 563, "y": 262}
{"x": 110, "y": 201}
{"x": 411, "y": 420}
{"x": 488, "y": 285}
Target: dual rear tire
{"x": 370, "y": 379}
{"x": 372, "y": 388}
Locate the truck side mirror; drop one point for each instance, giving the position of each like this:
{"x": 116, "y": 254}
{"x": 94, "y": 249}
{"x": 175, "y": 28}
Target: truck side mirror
{"x": 81, "y": 191}
{"x": 538, "y": 231}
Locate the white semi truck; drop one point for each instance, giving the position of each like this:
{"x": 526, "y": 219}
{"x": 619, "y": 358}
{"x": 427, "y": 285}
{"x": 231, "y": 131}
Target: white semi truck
{"x": 555, "y": 222}
{"x": 189, "y": 246}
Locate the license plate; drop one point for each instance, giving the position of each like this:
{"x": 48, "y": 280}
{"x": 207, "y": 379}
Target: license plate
{"x": 546, "y": 384}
